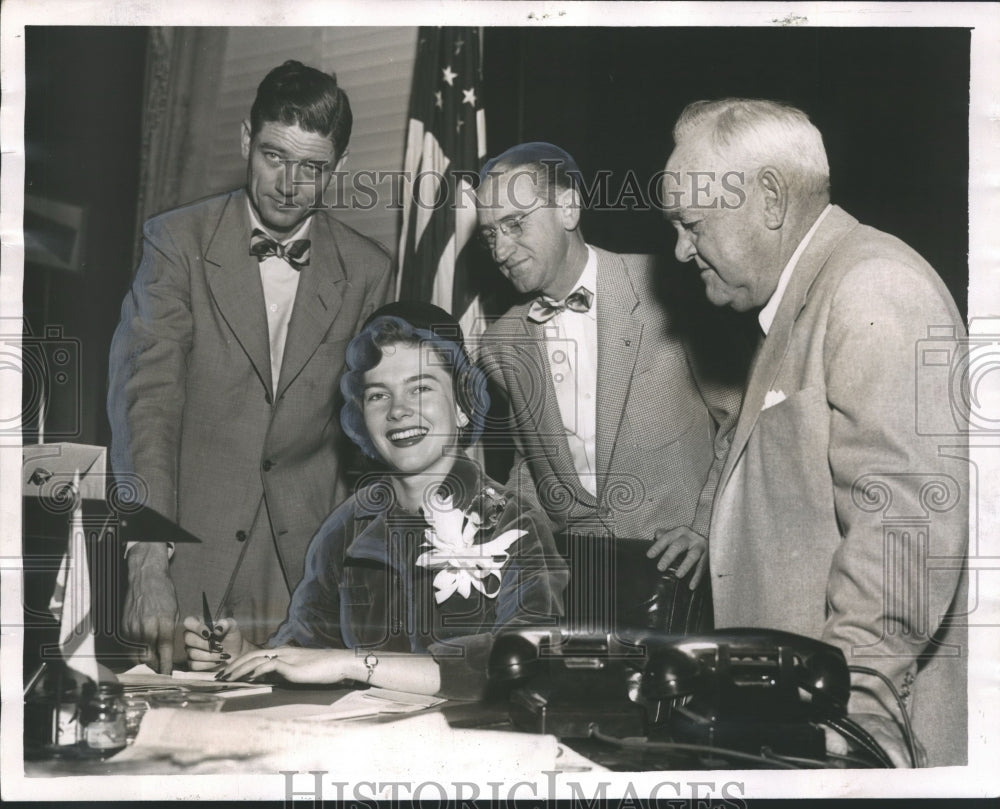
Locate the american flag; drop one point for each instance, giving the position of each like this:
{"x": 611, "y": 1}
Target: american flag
{"x": 445, "y": 147}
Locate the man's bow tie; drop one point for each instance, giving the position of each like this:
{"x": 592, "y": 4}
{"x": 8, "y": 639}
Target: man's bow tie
{"x": 543, "y": 310}
{"x": 295, "y": 253}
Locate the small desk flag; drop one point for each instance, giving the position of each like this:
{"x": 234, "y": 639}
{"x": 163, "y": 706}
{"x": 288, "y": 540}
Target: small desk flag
{"x": 70, "y": 602}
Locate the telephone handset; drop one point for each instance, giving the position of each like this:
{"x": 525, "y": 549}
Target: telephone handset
{"x": 737, "y": 685}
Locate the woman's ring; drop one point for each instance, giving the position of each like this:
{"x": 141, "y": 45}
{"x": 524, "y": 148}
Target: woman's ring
{"x": 270, "y": 657}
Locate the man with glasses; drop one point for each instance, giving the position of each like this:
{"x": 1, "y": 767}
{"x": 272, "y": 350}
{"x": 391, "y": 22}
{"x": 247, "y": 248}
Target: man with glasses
{"x": 615, "y": 431}
{"x": 225, "y": 369}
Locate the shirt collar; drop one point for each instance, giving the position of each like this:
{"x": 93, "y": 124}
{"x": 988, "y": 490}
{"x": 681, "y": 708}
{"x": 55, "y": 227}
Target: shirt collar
{"x": 588, "y": 278}
{"x": 300, "y": 233}
{"x": 766, "y": 316}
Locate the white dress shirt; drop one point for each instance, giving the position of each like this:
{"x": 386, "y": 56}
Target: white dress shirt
{"x": 571, "y": 344}
{"x": 280, "y": 282}
{"x": 766, "y": 316}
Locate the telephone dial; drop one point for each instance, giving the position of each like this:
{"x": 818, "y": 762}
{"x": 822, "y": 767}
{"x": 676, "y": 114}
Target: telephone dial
{"x": 743, "y": 689}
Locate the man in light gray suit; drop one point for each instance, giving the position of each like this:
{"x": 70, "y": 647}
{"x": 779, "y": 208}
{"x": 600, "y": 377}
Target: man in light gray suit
{"x": 225, "y": 368}
{"x": 615, "y": 431}
{"x": 835, "y": 516}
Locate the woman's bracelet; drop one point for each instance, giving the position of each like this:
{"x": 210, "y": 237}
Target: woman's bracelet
{"x": 371, "y": 661}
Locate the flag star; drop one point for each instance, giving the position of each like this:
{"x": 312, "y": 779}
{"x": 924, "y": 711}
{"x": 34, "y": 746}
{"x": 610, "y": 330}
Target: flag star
{"x": 459, "y": 125}
{"x": 469, "y": 97}
{"x": 449, "y": 76}
{"x": 458, "y": 46}
{"x": 438, "y": 99}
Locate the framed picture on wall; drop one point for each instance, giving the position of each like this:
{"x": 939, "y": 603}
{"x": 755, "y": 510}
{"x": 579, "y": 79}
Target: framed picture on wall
{"x": 53, "y": 233}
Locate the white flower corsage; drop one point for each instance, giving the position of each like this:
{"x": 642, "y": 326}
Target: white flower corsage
{"x": 464, "y": 564}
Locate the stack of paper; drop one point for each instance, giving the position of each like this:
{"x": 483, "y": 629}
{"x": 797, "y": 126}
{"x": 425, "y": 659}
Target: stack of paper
{"x": 143, "y": 678}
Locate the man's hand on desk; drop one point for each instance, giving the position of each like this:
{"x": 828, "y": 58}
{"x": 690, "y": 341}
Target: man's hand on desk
{"x": 886, "y": 732}
{"x": 151, "y": 605}
{"x": 206, "y": 650}
{"x": 671, "y": 544}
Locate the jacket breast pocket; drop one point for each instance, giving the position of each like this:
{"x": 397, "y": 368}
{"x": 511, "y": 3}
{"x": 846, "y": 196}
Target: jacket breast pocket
{"x": 799, "y": 412}
{"x": 332, "y": 349}
{"x": 791, "y": 444}
{"x": 322, "y": 372}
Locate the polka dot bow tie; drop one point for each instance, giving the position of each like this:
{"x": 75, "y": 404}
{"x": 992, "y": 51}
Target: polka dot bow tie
{"x": 295, "y": 253}
{"x": 542, "y": 310}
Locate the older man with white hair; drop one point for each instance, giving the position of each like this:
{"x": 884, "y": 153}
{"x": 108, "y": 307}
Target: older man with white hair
{"x": 834, "y": 517}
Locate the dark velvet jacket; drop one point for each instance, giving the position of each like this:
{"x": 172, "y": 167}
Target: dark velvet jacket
{"x": 363, "y": 589}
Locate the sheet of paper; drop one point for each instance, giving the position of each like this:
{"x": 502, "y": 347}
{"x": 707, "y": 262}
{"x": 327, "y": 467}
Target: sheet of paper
{"x": 415, "y": 748}
{"x": 142, "y": 670}
{"x": 354, "y": 705}
{"x": 141, "y": 677}
{"x": 568, "y": 760}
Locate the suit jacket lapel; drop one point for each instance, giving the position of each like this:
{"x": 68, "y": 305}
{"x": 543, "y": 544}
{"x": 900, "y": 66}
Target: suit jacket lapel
{"x": 236, "y": 285}
{"x": 317, "y": 300}
{"x": 618, "y": 339}
{"x": 774, "y": 348}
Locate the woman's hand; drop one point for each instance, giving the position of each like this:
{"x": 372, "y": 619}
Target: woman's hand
{"x": 208, "y": 651}
{"x": 672, "y": 544}
{"x": 298, "y": 665}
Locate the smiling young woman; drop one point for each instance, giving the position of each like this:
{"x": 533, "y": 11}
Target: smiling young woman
{"x": 408, "y": 580}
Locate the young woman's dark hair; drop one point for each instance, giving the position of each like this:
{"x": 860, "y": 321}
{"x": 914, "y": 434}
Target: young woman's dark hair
{"x": 412, "y": 324}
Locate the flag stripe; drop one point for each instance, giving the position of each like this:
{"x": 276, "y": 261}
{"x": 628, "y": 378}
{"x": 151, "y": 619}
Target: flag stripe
{"x": 446, "y": 142}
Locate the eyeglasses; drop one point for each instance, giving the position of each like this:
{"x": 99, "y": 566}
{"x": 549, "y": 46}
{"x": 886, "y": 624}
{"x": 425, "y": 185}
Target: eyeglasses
{"x": 511, "y": 227}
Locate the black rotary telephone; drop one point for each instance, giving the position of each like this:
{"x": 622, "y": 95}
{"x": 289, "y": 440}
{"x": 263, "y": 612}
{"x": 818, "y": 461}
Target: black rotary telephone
{"x": 743, "y": 689}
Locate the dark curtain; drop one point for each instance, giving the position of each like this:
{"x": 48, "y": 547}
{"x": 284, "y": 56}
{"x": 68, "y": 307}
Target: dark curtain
{"x": 183, "y": 72}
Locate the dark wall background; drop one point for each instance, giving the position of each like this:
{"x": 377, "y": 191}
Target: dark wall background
{"x": 892, "y": 105}
{"x": 82, "y": 135}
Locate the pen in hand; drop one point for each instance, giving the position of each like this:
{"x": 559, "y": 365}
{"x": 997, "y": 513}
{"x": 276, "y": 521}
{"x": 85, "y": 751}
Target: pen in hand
{"x": 215, "y": 645}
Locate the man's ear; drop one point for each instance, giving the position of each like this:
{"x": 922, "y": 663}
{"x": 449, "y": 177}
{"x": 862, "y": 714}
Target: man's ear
{"x": 775, "y": 195}
{"x": 245, "y": 139}
{"x": 569, "y": 201}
